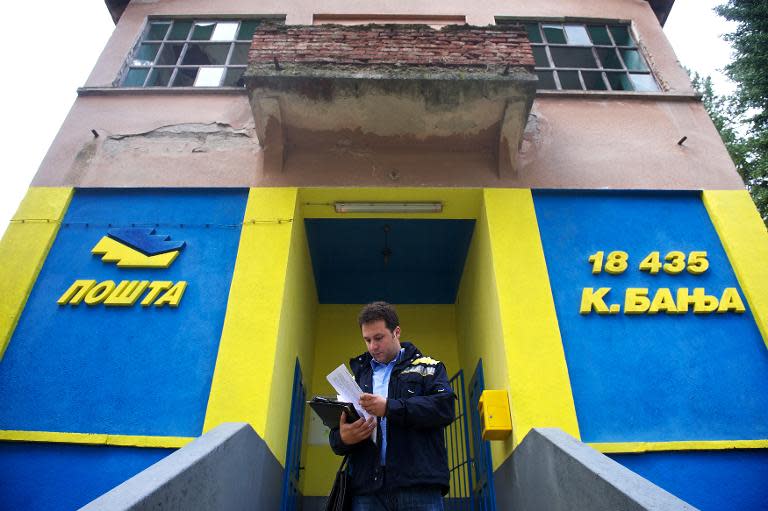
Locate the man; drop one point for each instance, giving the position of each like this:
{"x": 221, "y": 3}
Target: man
{"x": 409, "y": 395}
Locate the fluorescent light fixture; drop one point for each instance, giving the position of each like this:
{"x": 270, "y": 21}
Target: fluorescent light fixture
{"x": 388, "y": 207}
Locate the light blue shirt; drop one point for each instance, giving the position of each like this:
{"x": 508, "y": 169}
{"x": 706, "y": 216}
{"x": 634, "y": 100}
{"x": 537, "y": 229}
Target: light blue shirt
{"x": 381, "y": 374}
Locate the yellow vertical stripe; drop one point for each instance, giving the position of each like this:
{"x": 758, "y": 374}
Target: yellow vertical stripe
{"x": 243, "y": 377}
{"x": 23, "y": 250}
{"x": 744, "y": 237}
{"x": 478, "y": 322}
{"x": 295, "y": 338}
{"x": 172, "y": 442}
{"x": 540, "y": 389}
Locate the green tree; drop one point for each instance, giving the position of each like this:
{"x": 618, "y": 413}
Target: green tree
{"x": 748, "y": 107}
{"x": 728, "y": 120}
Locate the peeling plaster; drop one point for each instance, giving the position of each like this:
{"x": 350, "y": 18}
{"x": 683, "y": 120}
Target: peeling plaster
{"x": 185, "y": 153}
{"x": 537, "y": 135}
{"x": 182, "y": 138}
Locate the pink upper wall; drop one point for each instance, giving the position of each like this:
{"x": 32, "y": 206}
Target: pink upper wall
{"x": 205, "y": 138}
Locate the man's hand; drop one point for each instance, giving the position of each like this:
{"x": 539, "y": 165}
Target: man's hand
{"x": 357, "y": 431}
{"x": 374, "y": 404}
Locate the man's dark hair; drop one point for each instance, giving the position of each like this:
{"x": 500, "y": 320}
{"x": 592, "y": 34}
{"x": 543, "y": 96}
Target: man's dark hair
{"x": 379, "y": 311}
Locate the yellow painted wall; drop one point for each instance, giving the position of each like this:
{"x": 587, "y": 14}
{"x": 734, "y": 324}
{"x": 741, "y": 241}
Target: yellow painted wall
{"x": 295, "y": 338}
{"x": 23, "y": 250}
{"x": 337, "y": 339}
{"x": 505, "y": 306}
{"x": 744, "y": 237}
{"x": 478, "y": 321}
{"x": 540, "y": 388}
{"x": 269, "y": 317}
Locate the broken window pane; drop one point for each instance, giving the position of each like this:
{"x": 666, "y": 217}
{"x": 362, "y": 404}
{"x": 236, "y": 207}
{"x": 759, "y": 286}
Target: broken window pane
{"x": 599, "y": 34}
{"x": 156, "y": 31}
{"x": 206, "y": 54}
{"x": 240, "y": 54}
{"x": 633, "y": 60}
{"x": 135, "y": 77}
{"x": 533, "y": 32}
{"x": 170, "y": 54}
{"x": 166, "y": 56}
{"x": 554, "y": 34}
{"x": 145, "y": 55}
{"x": 619, "y": 81}
{"x": 569, "y": 80}
{"x": 224, "y": 31}
{"x": 246, "y": 30}
{"x": 593, "y": 80}
{"x": 203, "y": 30}
{"x": 546, "y": 80}
{"x": 573, "y": 57}
{"x": 588, "y": 56}
{"x": 160, "y": 77}
{"x": 621, "y": 35}
{"x": 185, "y": 76}
{"x": 180, "y": 30}
{"x": 608, "y": 58}
{"x": 234, "y": 77}
{"x": 209, "y": 77}
{"x": 577, "y": 35}
{"x": 540, "y": 56}
{"x": 644, "y": 83}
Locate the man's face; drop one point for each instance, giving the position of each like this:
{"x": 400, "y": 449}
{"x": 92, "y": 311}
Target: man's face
{"x": 383, "y": 344}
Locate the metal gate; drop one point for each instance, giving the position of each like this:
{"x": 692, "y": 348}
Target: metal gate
{"x": 484, "y": 497}
{"x": 293, "y": 468}
{"x": 459, "y": 458}
{"x": 471, "y": 470}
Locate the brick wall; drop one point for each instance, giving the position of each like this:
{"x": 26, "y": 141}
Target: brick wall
{"x": 418, "y": 45}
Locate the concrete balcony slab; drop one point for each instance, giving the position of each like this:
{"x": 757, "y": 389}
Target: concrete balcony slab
{"x": 405, "y": 88}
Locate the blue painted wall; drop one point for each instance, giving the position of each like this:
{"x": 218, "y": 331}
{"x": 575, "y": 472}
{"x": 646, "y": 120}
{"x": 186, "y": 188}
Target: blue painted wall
{"x": 709, "y": 480}
{"x": 650, "y": 378}
{"x": 425, "y": 266}
{"x": 124, "y": 370}
{"x": 44, "y": 476}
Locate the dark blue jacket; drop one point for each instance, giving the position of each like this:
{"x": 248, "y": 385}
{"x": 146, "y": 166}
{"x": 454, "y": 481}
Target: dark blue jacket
{"x": 420, "y": 404}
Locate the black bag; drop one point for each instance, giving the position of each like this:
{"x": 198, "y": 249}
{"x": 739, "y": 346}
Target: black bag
{"x": 340, "y": 498}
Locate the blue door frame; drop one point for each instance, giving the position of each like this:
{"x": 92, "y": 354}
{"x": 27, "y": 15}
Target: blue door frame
{"x": 293, "y": 468}
{"x": 484, "y": 494}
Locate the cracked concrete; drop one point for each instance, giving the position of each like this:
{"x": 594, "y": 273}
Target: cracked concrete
{"x": 181, "y": 138}
{"x": 183, "y": 154}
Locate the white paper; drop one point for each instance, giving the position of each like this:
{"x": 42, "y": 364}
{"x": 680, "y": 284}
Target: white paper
{"x": 348, "y": 391}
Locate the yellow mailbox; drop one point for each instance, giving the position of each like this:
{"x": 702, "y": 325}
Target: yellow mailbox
{"x": 495, "y": 419}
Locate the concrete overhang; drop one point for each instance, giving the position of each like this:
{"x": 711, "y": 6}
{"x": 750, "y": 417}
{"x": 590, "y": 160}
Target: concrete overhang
{"x": 116, "y": 8}
{"x": 661, "y": 8}
{"x": 394, "y": 103}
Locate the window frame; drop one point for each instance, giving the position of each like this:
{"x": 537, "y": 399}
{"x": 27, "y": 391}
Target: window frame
{"x": 624, "y": 72}
{"x": 151, "y": 68}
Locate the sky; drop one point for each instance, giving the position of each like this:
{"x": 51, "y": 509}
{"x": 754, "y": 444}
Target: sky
{"x": 695, "y": 33}
{"x": 60, "y": 46}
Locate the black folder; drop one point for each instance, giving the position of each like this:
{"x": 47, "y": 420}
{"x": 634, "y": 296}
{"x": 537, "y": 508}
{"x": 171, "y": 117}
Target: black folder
{"x": 329, "y": 410}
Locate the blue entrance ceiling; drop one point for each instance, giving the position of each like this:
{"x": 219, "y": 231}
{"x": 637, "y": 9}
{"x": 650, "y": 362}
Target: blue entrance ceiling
{"x": 424, "y": 264}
